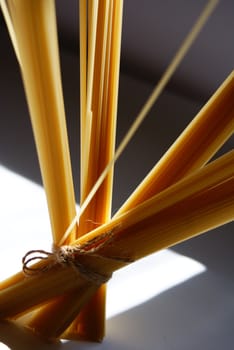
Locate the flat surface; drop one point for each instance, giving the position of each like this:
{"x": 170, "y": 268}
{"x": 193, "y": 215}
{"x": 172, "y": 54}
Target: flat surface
{"x": 166, "y": 301}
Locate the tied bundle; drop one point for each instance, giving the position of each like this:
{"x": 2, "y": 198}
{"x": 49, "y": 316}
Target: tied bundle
{"x": 181, "y": 197}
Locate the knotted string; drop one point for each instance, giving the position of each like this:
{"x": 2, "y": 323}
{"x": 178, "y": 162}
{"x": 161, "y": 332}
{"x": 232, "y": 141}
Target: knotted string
{"x": 68, "y": 256}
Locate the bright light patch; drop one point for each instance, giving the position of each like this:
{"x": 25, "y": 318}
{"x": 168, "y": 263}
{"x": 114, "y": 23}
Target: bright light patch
{"x": 24, "y": 223}
{"x": 4, "y": 347}
{"x": 147, "y": 278}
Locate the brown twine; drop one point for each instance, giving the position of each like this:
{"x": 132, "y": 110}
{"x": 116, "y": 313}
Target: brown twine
{"x": 68, "y": 256}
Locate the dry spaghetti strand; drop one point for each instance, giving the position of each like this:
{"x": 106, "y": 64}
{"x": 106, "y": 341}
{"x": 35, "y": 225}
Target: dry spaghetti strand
{"x": 34, "y": 23}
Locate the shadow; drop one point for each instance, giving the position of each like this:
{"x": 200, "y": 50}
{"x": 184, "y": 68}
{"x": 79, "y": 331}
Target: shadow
{"x": 214, "y": 249}
{"x": 17, "y": 337}
{"x": 197, "y": 314}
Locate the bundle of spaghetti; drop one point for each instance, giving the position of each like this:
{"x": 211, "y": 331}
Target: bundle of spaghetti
{"x": 98, "y": 127}
{"x": 180, "y": 198}
{"x": 100, "y": 28}
{"x": 195, "y": 204}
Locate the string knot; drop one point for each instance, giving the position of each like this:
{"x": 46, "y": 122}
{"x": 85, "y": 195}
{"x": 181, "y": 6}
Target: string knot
{"x": 68, "y": 256}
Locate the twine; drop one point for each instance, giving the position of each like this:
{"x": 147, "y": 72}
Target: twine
{"x": 68, "y": 256}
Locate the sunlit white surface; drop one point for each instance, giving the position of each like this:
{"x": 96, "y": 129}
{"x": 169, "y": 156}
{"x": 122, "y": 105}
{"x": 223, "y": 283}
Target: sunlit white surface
{"x": 4, "y": 347}
{"x": 24, "y": 220}
{"x": 143, "y": 280}
{"x": 24, "y": 225}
